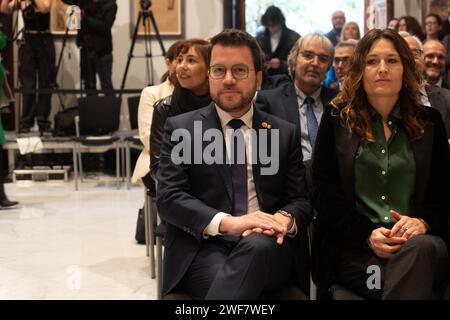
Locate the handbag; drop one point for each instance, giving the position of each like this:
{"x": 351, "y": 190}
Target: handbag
{"x": 65, "y": 122}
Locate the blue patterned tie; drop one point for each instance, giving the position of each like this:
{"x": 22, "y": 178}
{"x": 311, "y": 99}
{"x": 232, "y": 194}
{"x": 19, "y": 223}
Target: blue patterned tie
{"x": 239, "y": 172}
{"x": 311, "y": 121}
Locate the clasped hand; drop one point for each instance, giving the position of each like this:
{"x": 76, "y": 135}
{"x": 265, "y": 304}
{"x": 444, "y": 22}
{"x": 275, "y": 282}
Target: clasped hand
{"x": 385, "y": 243}
{"x": 256, "y": 222}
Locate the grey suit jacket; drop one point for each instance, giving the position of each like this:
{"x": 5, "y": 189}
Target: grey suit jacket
{"x": 440, "y": 100}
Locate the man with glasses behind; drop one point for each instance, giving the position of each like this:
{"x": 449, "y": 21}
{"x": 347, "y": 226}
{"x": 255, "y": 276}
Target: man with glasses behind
{"x": 302, "y": 102}
{"x": 432, "y": 96}
{"x": 233, "y": 229}
{"x": 343, "y": 53}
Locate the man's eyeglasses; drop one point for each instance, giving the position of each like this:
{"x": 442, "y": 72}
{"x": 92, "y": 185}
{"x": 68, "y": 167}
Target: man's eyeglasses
{"x": 417, "y": 53}
{"x": 344, "y": 60}
{"x": 309, "y": 56}
{"x": 239, "y": 71}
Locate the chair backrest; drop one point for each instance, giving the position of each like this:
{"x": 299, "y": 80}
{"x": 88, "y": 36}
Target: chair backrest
{"x": 99, "y": 115}
{"x": 133, "y": 106}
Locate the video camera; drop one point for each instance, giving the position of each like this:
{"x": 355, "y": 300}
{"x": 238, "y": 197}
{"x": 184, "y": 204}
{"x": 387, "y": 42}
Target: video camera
{"x": 145, "y": 4}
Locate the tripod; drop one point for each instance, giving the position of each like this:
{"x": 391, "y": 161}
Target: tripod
{"x": 144, "y": 16}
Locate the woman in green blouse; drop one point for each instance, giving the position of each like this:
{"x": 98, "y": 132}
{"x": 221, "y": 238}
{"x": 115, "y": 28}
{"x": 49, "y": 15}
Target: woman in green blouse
{"x": 4, "y": 202}
{"x": 380, "y": 172}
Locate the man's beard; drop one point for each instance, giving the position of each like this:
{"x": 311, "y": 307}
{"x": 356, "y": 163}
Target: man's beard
{"x": 234, "y": 106}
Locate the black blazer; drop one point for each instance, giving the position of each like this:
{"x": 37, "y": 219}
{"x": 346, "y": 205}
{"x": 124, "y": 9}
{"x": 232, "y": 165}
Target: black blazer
{"x": 287, "y": 41}
{"x": 282, "y": 102}
{"x": 338, "y": 225}
{"x": 440, "y": 100}
{"x": 189, "y": 196}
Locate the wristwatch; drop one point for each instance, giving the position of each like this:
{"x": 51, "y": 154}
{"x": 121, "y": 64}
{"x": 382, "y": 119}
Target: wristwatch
{"x": 286, "y": 214}
{"x": 289, "y": 215}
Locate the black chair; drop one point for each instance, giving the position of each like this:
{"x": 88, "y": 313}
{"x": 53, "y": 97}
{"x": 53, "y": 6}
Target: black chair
{"x": 132, "y": 140}
{"x": 96, "y": 126}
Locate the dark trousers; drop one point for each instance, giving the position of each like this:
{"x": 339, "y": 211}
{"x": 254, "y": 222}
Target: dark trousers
{"x": 2, "y": 187}
{"x": 417, "y": 271}
{"x": 37, "y": 70}
{"x": 93, "y": 64}
{"x": 242, "y": 270}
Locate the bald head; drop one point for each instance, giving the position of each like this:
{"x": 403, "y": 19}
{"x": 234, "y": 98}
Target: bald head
{"x": 434, "y": 58}
{"x": 338, "y": 19}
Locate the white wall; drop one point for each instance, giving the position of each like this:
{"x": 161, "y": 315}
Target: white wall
{"x": 201, "y": 18}
{"x": 415, "y": 8}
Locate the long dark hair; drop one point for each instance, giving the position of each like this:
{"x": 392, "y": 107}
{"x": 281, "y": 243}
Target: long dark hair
{"x": 351, "y": 104}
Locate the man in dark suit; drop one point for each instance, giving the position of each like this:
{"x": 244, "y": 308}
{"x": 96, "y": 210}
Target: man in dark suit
{"x": 302, "y": 102}
{"x": 234, "y": 231}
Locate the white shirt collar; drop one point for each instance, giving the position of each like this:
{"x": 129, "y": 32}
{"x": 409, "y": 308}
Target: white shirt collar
{"x": 302, "y": 96}
{"x": 225, "y": 117}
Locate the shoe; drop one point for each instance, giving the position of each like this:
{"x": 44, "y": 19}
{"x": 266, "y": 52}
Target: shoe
{"x": 6, "y": 203}
{"x": 46, "y": 131}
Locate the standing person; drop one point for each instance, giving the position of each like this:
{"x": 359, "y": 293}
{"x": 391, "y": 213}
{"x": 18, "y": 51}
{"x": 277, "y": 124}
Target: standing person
{"x": 36, "y": 61}
{"x": 4, "y": 202}
{"x": 338, "y": 21}
{"x": 381, "y": 172}
{"x": 95, "y": 40}
{"x": 232, "y": 228}
{"x": 276, "y": 41}
{"x": 304, "y": 101}
{"x": 149, "y": 96}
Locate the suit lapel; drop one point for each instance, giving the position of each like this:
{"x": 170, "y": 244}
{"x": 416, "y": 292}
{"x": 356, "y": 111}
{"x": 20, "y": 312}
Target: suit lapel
{"x": 211, "y": 121}
{"x": 346, "y": 147}
{"x": 422, "y": 156}
{"x": 290, "y": 103}
{"x": 437, "y": 101}
{"x": 256, "y": 167}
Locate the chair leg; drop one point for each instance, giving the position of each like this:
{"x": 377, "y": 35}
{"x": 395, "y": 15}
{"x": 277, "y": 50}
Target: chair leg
{"x": 75, "y": 166}
{"x": 146, "y": 221}
{"x": 159, "y": 267}
{"x": 80, "y": 161}
{"x": 117, "y": 165}
{"x": 122, "y": 161}
{"x": 127, "y": 164}
{"x": 151, "y": 233}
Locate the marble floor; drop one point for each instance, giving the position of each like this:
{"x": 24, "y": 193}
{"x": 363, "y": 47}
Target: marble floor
{"x": 63, "y": 244}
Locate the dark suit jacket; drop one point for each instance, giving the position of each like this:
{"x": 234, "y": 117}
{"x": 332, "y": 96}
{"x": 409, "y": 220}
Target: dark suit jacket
{"x": 190, "y": 195}
{"x": 338, "y": 225}
{"x": 440, "y": 100}
{"x": 282, "y": 102}
{"x": 333, "y": 36}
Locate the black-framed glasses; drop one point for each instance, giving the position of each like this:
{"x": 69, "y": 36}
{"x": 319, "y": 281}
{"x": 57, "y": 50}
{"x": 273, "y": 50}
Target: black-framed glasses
{"x": 309, "y": 56}
{"x": 239, "y": 71}
{"x": 344, "y": 60}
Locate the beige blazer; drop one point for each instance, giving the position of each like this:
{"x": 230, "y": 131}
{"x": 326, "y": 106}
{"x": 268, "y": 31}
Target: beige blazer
{"x": 145, "y": 113}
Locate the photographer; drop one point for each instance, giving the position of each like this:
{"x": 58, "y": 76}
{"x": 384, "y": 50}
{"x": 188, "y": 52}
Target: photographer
{"x": 95, "y": 40}
{"x": 36, "y": 60}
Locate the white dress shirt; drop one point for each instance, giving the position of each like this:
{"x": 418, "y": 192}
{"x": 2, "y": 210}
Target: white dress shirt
{"x": 275, "y": 40}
